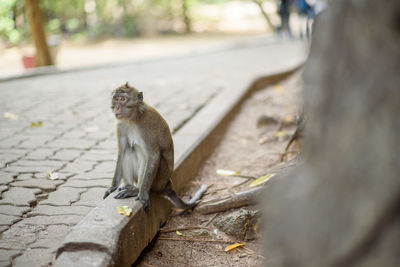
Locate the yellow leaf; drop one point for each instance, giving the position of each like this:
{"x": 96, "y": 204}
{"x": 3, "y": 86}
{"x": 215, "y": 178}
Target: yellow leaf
{"x": 124, "y": 210}
{"x": 288, "y": 119}
{"x": 227, "y": 172}
{"x": 10, "y": 116}
{"x": 35, "y": 124}
{"x": 278, "y": 87}
{"x": 52, "y": 175}
{"x": 179, "y": 233}
{"x": 261, "y": 180}
{"x": 281, "y": 133}
{"x": 230, "y": 247}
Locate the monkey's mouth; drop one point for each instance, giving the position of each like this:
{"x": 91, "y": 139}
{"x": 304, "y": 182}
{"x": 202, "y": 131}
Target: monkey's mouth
{"x": 118, "y": 115}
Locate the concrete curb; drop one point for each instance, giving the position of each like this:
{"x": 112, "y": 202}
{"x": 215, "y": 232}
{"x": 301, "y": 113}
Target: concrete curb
{"x": 105, "y": 238}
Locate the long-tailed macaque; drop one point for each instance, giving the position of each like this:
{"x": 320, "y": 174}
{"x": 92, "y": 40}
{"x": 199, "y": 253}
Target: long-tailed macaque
{"x": 145, "y": 151}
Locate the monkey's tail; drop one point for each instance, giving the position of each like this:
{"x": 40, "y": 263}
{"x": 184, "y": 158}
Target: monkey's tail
{"x": 170, "y": 194}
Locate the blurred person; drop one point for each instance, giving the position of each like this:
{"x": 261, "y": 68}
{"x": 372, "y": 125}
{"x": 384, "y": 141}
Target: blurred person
{"x": 284, "y": 14}
{"x": 306, "y": 10}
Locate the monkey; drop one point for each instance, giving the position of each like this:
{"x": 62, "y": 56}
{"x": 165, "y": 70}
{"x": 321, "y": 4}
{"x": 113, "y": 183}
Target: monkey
{"x": 145, "y": 158}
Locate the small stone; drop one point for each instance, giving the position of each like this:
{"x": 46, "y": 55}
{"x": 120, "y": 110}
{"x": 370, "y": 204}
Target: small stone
{"x": 241, "y": 224}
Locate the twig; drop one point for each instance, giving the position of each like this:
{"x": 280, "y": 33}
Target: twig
{"x": 194, "y": 240}
{"x": 212, "y": 218}
{"x": 185, "y": 228}
{"x": 251, "y": 251}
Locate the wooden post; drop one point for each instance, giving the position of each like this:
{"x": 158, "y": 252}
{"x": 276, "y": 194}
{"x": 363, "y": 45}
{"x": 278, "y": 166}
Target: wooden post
{"x": 35, "y": 19}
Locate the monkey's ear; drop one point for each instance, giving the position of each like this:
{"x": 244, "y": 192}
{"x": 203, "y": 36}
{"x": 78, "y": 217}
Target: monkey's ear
{"x": 126, "y": 85}
{"x": 140, "y": 96}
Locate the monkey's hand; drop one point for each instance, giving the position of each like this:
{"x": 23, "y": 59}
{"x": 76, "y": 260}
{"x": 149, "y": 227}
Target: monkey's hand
{"x": 145, "y": 202}
{"x": 109, "y": 191}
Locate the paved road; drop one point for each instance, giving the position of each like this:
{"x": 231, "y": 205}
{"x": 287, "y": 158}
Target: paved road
{"x": 76, "y": 137}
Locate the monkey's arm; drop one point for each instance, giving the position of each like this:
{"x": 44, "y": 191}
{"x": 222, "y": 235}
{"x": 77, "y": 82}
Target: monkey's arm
{"x": 147, "y": 177}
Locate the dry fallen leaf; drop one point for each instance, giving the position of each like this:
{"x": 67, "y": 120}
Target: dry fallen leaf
{"x": 227, "y": 172}
{"x": 230, "y": 247}
{"x": 282, "y": 133}
{"x": 10, "y": 116}
{"x": 278, "y": 87}
{"x": 261, "y": 180}
{"x": 124, "y": 210}
{"x": 52, "y": 175}
{"x": 35, "y": 124}
{"x": 263, "y": 140}
{"x": 179, "y": 233}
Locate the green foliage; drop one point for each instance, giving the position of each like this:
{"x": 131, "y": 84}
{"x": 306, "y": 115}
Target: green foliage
{"x": 7, "y": 24}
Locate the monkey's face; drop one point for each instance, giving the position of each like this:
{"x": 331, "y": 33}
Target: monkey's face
{"x": 126, "y": 102}
{"x": 119, "y": 104}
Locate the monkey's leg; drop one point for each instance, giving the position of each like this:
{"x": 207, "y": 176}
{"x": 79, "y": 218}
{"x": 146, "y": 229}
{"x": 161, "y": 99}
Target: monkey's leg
{"x": 130, "y": 167}
{"x": 148, "y": 173}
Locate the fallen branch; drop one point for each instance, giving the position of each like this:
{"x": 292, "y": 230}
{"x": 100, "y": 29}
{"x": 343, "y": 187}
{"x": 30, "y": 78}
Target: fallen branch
{"x": 240, "y": 199}
{"x": 182, "y": 229}
{"x": 194, "y": 240}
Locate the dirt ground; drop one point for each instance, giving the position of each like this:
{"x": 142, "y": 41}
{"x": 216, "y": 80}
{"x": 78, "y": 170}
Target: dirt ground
{"x": 251, "y": 150}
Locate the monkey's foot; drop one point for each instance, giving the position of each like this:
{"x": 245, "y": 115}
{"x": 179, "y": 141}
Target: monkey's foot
{"x": 109, "y": 191}
{"x": 126, "y": 187}
{"x": 125, "y": 193}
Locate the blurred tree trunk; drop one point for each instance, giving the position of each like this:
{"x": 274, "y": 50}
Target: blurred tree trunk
{"x": 259, "y": 3}
{"x": 341, "y": 207}
{"x": 35, "y": 19}
{"x": 186, "y": 18}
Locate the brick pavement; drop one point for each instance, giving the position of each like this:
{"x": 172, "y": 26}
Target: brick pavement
{"x": 77, "y": 138}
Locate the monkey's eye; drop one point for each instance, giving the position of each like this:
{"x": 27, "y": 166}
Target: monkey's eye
{"x": 123, "y": 98}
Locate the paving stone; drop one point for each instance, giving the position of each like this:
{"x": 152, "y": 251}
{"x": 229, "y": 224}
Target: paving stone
{"x": 6, "y": 256}
{"x": 91, "y": 198}
{"x": 19, "y": 236}
{"x": 13, "y": 210}
{"x": 27, "y": 169}
{"x": 40, "y": 154}
{"x": 19, "y": 196}
{"x": 52, "y": 237}
{"x": 104, "y": 183}
{"x": 34, "y": 257}
{"x": 24, "y": 176}
{"x": 61, "y": 176}
{"x": 67, "y": 154}
{"x": 64, "y": 196}
{"x": 8, "y": 219}
{"x": 105, "y": 167}
{"x": 91, "y": 176}
{"x": 99, "y": 155}
{"x": 35, "y": 141}
{"x": 51, "y": 164}
{"x": 3, "y": 188}
{"x": 70, "y": 220}
{"x": 58, "y": 210}
{"x": 43, "y": 184}
{"x": 78, "y": 167}
{"x": 71, "y": 143}
{"x": 6, "y": 178}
